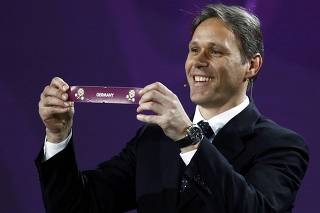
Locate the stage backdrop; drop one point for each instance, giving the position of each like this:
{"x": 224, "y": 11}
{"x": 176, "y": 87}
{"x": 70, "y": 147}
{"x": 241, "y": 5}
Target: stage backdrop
{"x": 134, "y": 43}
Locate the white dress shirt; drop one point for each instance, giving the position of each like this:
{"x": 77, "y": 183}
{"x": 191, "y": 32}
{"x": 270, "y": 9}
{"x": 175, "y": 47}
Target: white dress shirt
{"x": 216, "y": 123}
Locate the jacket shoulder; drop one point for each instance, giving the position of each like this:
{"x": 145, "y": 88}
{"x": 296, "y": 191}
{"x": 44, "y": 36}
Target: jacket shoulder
{"x": 275, "y": 135}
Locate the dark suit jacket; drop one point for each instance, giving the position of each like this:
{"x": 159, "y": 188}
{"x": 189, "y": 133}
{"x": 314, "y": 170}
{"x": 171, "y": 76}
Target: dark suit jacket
{"x": 253, "y": 165}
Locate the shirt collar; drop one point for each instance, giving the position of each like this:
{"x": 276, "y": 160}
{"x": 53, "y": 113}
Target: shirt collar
{"x": 218, "y": 121}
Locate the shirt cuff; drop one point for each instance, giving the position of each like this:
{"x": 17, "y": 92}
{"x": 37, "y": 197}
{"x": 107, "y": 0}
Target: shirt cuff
{"x": 51, "y": 149}
{"x": 187, "y": 156}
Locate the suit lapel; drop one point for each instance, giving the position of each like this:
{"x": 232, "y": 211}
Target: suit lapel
{"x": 230, "y": 139}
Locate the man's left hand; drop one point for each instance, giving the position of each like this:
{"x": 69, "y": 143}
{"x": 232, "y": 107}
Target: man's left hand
{"x": 169, "y": 113}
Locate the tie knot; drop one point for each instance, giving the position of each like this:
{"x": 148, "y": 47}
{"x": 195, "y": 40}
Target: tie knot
{"x": 206, "y": 129}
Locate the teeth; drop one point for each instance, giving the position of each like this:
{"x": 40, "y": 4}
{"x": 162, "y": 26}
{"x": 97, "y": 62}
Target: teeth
{"x": 201, "y": 78}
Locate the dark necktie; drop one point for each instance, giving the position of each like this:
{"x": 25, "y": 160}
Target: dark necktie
{"x": 209, "y": 134}
{"x": 206, "y": 129}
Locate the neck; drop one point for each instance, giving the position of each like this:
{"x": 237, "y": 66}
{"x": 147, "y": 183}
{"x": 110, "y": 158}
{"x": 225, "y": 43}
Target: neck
{"x": 210, "y": 111}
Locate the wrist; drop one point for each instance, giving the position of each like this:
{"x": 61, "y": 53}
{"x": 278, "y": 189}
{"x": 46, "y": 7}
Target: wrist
{"x": 193, "y": 137}
{"x": 56, "y": 137}
{"x": 184, "y": 133}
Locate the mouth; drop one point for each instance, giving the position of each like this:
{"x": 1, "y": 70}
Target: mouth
{"x": 201, "y": 79}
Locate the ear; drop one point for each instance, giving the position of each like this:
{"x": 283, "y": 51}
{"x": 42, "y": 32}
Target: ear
{"x": 254, "y": 67}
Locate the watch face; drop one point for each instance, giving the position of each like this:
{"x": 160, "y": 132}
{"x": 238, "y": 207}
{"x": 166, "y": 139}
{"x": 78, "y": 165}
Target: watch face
{"x": 195, "y": 133}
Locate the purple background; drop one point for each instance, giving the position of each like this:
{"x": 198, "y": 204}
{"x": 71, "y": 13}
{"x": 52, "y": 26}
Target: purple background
{"x": 134, "y": 43}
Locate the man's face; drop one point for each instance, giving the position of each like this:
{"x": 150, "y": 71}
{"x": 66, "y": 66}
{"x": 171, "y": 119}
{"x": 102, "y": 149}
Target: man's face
{"x": 214, "y": 68}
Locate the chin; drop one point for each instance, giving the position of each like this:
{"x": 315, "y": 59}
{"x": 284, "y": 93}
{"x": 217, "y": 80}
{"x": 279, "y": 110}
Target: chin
{"x": 199, "y": 99}
{"x": 204, "y": 100}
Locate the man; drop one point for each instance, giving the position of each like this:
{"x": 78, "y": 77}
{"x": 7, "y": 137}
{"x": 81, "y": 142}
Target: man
{"x": 228, "y": 159}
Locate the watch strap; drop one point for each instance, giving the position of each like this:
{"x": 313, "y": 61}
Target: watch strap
{"x": 184, "y": 142}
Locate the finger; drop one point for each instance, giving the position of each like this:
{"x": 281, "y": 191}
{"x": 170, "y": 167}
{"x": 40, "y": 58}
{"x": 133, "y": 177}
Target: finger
{"x": 155, "y": 86}
{"x": 154, "y": 96}
{"x": 59, "y": 83}
{"x": 148, "y": 118}
{"x": 50, "y": 111}
{"x": 53, "y": 101}
{"x": 52, "y": 91}
{"x": 151, "y": 106}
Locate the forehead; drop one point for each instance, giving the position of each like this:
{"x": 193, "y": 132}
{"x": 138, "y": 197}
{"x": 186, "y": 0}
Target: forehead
{"x": 215, "y": 31}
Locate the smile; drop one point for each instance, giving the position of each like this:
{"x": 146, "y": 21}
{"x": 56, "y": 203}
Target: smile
{"x": 198, "y": 78}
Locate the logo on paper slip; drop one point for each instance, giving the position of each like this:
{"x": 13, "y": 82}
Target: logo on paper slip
{"x": 131, "y": 95}
{"x": 80, "y": 94}
{"x": 104, "y": 95}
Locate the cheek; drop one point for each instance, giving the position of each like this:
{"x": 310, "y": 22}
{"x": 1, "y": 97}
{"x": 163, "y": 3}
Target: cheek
{"x": 230, "y": 72}
{"x": 187, "y": 65}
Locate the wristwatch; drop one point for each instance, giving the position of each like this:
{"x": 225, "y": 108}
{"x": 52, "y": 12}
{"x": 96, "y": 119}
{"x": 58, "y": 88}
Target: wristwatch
{"x": 194, "y": 135}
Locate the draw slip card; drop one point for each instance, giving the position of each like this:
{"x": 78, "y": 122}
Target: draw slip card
{"x": 102, "y": 94}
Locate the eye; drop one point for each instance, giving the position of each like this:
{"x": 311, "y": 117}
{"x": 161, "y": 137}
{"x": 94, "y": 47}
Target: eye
{"x": 193, "y": 49}
{"x": 215, "y": 52}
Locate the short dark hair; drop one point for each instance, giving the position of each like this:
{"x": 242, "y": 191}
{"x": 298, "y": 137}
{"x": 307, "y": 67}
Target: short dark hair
{"x": 244, "y": 24}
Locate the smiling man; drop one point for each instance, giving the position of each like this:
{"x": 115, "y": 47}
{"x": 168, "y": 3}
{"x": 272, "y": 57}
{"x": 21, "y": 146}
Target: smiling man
{"x": 229, "y": 158}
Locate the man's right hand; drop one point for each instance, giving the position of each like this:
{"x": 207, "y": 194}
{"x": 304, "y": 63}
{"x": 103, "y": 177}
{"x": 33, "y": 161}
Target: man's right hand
{"x": 55, "y": 111}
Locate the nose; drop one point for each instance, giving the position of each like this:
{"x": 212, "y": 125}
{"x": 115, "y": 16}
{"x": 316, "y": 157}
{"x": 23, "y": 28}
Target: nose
{"x": 201, "y": 60}
{"x": 199, "y": 64}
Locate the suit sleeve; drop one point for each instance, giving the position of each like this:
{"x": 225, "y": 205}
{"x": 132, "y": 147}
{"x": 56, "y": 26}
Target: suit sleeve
{"x": 268, "y": 185}
{"x": 109, "y": 188}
